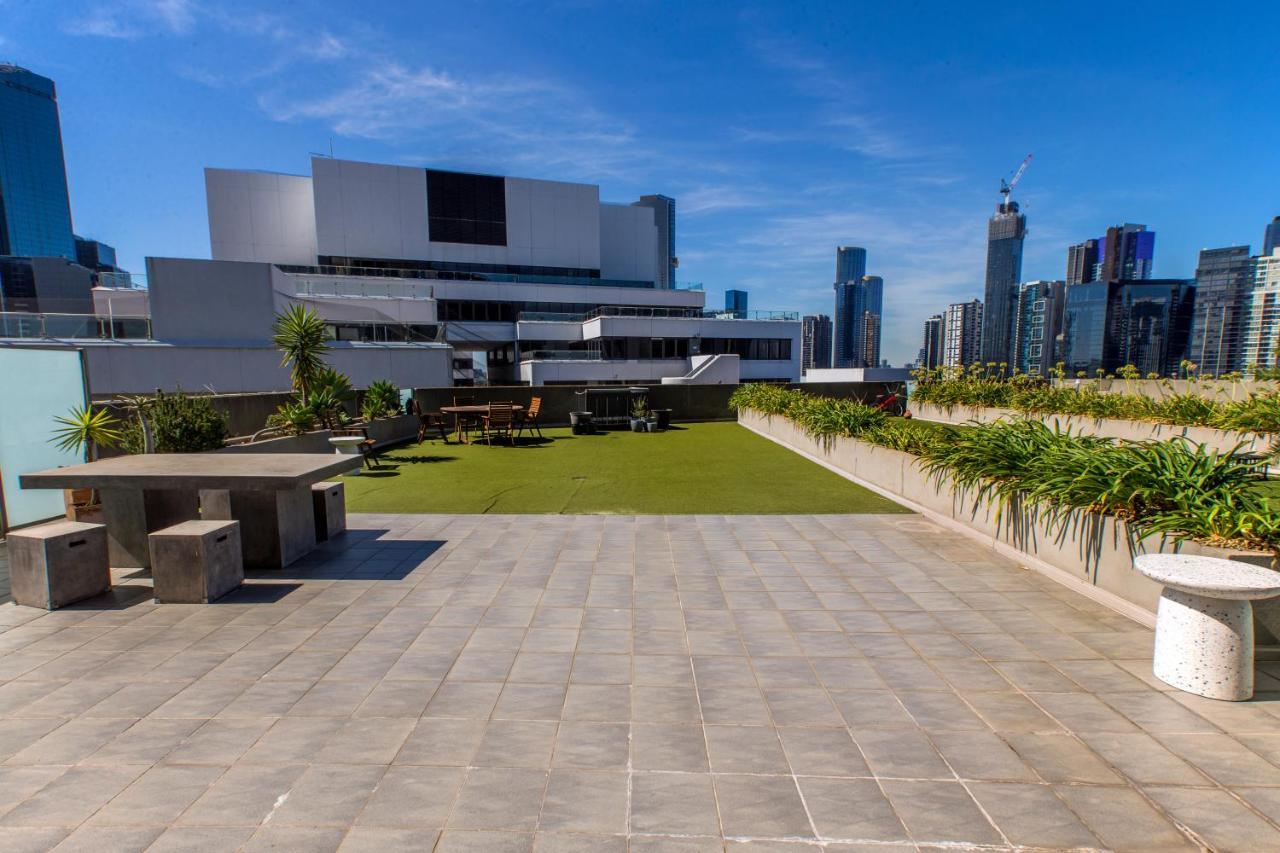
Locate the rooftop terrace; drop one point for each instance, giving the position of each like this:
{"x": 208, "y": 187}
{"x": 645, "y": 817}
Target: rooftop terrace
{"x": 612, "y": 683}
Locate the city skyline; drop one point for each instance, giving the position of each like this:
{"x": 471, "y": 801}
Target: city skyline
{"x": 822, "y": 153}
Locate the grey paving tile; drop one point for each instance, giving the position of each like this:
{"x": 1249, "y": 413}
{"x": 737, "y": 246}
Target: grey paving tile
{"x": 851, "y": 809}
{"x": 158, "y": 796}
{"x": 674, "y": 804}
{"x": 939, "y": 811}
{"x": 409, "y": 796}
{"x": 201, "y": 839}
{"x": 1122, "y": 819}
{"x": 822, "y": 752}
{"x": 243, "y": 796}
{"x": 1031, "y": 816}
{"x": 668, "y": 746}
{"x": 600, "y": 746}
{"x": 516, "y": 743}
{"x": 471, "y": 841}
{"x": 585, "y": 801}
{"x": 442, "y": 741}
{"x": 72, "y": 797}
{"x": 762, "y": 807}
{"x": 745, "y": 749}
{"x": 295, "y": 838}
{"x": 328, "y": 795}
{"x": 365, "y": 839}
{"x": 499, "y": 799}
{"x": 1217, "y": 817}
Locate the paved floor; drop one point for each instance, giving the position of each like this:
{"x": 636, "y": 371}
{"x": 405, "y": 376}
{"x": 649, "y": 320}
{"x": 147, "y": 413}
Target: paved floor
{"x": 601, "y": 683}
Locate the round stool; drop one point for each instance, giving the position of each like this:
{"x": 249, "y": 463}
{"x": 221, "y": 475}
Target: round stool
{"x": 1204, "y": 624}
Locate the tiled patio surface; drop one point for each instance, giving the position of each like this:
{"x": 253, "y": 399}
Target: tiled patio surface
{"x": 592, "y": 683}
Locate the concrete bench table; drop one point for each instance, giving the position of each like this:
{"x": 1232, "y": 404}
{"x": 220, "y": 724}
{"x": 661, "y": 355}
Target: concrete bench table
{"x": 59, "y": 563}
{"x": 1204, "y": 623}
{"x": 268, "y": 493}
{"x": 196, "y": 562}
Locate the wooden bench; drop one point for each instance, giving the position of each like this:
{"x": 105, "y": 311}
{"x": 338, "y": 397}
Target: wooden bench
{"x": 56, "y": 564}
{"x": 196, "y": 562}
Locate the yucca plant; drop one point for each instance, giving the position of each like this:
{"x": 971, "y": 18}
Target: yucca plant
{"x": 302, "y": 338}
{"x": 86, "y": 430}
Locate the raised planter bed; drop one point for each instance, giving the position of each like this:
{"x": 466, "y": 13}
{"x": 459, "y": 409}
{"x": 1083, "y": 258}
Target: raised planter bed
{"x": 1092, "y": 556}
{"x": 1217, "y": 440}
{"x": 384, "y": 432}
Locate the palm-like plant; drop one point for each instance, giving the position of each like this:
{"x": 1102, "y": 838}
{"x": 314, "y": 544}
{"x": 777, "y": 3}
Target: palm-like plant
{"x": 302, "y": 337}
{"x": 85, "y": 429}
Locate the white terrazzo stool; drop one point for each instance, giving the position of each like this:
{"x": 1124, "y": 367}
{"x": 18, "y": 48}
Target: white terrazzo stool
{"x": 1204, "y": 624}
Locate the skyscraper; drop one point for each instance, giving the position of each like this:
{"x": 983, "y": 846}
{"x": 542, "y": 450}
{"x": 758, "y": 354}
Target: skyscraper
{"x": 1038, "y": 319}
{"x": 870, "y": 355}
{"x": 1126, "y": 253}
{"x": 35, "y": 208}
{"x": 962, "y": 334}
{"x": 664, "y": 212}
{"x": 1081, "y": 260}
{"x": 852, "y": 296}
{"x": 1224, "y": 287}
{"x": 815, "y": 342}
{"x": 851, "y": 263}
{"x": 735, "y": 302}
{"x": 1005, "y": 232}
{"x": 931, "y": 353}
{"x": 1271, "y": 237}
{"x": 1262, "y": 331}
{"x": 1107, "y": 325}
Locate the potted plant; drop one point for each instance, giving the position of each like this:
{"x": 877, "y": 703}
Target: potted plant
{"x": 639, "y": 409}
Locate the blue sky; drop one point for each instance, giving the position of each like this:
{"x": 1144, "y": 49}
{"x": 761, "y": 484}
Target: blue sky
{"x": 782, "y": 129}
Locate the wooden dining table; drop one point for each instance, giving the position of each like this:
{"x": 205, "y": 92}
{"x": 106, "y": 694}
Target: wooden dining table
{"x": 478, "y": 409}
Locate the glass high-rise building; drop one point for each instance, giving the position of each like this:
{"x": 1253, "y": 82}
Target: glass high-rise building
{"x": 35, "y": 208}
{"x": 1038, "y": 319}
{"x": 1262, "y": 330}
{"x": 1082, "y": 259}
{"x": 1006, "y": 230}
{"x": 1125, "y": 253}
{"x": 735, "y": 302}
{"x": 851, "y": 269}
{"x": 931, "y": 354}
{"x": 1224, "y": 287}
{"x": 1271, "y": 237}
{"x": 815, "y": 342}
{"x": 1107, "y": 325}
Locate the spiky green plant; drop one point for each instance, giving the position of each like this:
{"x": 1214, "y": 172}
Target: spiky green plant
{"x": 84, "y": 429}
{"x": 302, "y": 338}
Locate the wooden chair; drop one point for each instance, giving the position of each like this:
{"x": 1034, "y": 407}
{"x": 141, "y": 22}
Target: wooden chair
{"x": 499, "y": 421}
{"x": 529, "y": 418}
{"x": 428, "y": 421}
{"x": 466, "y": 423}
{"x": 367, "y": 450}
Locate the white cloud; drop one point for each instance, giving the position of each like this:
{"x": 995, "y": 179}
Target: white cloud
{"x": 713, "y": 199}
{"x": 131, "y": 19}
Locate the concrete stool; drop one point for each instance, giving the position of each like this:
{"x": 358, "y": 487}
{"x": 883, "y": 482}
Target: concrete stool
{"x": 1204, "y": 624}
{"x": 330, "y": 501}
{"x": 196, "y": 562}
{"x": 59, "y": 563}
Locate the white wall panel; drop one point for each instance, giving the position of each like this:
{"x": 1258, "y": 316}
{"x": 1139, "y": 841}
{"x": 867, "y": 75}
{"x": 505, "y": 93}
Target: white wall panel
{"x": 260, "y": 216}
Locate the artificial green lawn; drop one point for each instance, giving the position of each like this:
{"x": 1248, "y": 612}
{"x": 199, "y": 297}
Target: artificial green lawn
{"x": 691, "y": 468}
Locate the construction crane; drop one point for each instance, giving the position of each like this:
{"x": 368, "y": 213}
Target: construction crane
{"x": 1007, "y": 187}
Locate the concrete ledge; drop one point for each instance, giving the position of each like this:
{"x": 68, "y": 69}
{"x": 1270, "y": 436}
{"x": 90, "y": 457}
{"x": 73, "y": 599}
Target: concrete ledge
{"x": 1092, "y": 556}
{"x": 1217, "y": 440}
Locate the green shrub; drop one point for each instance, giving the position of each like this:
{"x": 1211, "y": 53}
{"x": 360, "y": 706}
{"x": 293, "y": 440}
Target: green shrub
{"x": 382, "y": 399}
{"x": 180, "y": 423}
{"x": 293, "y": 417}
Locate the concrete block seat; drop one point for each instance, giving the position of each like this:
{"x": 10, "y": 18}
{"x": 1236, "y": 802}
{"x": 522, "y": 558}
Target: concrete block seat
{"x": 196, "y": 562}
{"x": 1204, "y": 622}
{"x": 56, "y": 564}
{"x": 330, "y": 503}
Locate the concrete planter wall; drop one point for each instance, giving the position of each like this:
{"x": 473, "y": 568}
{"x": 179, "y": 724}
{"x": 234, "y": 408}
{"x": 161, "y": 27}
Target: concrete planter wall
{"x": 384, "y": 431}
{"x": 1092, "y": 555}
{"x": 1217, "y": 440}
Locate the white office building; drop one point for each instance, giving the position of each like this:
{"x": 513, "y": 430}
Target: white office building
{"x": 540, "y": 280}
